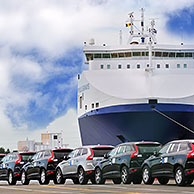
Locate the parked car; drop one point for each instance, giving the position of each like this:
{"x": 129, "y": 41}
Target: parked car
{"x": 2, "y": 156}
{"x": 174, "y": 160}
{"x": 11, "y": 165}
{"x": 79, "y": 165}
{"x": 123, "y": 164}
{"x": 42, "y": 166}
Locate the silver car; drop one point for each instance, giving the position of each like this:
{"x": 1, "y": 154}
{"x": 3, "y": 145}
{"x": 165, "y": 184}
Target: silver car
{"x": 79, "y": 165}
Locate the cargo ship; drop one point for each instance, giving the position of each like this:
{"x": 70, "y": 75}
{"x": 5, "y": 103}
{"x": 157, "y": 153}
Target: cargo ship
{"x": 141, "y": 91}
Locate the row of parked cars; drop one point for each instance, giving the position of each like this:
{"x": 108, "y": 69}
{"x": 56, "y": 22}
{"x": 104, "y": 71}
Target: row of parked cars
{"x": 128, "y": 162}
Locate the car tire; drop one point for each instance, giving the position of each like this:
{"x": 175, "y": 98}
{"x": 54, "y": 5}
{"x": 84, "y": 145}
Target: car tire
{"x": 75, "y": 181}
{"x": 98, "y": 176}
{"x": 117, "y": 181}
{"x": 43, "y": 178}
{"x": 180, "y": 176}
{"x": 137, "y": 180}
{"x": 163, "y": 180}
{"x": 146, "y": 175}
{"x": 125, "y": 175}
{"x": 82, "y": 177}
{"x": 59, "y": 177}
{"x": 11, "y": 179}
{"x": 92, "y": 179}
{"x": 24, "y": 179}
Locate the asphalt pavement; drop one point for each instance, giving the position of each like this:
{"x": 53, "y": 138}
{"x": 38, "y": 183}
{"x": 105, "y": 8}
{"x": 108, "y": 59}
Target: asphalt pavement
{"x": 109, "y": 187}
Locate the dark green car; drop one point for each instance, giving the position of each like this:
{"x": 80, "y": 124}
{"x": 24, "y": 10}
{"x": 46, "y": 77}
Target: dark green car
{"x": 174, "y": 160}
{"x": 123, "y": 164}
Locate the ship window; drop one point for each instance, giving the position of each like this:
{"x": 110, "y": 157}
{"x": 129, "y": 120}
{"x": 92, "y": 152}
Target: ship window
{"x": 92, "y": 105}
{"x": 108, "y": 66}
{"x": 180, "y": 55}
{"x": 86, "y": 107}
{"x": 80, "y": 102}
{"x": 178, "y": 65}
{"x": 188, "y": 54}
{"x": 97, "y": 104}
{"x": 185, "y": 66}
{"x": 119, "y": 66}
{"x": 121, "y": 54}
{"x": 147, "y": 65}
{"x": 165, "y": 54}
{"x": 167, "y": 66}
{"x": 147, "y": 53}
{"x": 158, "y": 66}
{"x": 152, "y": 53}
{"x": 128, "y": 66}
{"x": 97, "y": 55}
{"x": 114, "y": 55}
{"x": 78, "y": 76}
{"x": 128, "y": 54}
{"x": 136, "y": 54}
{"x": 101, "y": 66}
{"x": 171, "y": 54}
{"x": 106, "y": 55}
{"x": 138, "y": 66}
{"x": 89, "y": 57}
{"x": 152, "y": 101}
{"x": 143, "y": 54}
{"x": 158, "y": 54}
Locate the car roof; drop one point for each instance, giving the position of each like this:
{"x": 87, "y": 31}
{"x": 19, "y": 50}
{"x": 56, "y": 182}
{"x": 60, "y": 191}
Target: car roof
{"x": 182, "y": 140}
{"x": 97, "y": 146}
{"x": 140, "y": 142}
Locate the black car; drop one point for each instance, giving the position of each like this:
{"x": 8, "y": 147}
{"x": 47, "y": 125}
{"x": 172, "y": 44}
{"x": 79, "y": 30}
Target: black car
{"x": 124, "y": 162}
{"x": 11, "y": 165}
{"x": 174, "y": 160}
{"x": 42, "y": 166}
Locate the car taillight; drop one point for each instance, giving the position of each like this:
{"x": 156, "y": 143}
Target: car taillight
{"x": 134, "y": 154}
{"x": 90, "y": 157}
{"x": 191, "y": 154}
{"x": 19, "y": 160}
{"x": 52, "y": 157}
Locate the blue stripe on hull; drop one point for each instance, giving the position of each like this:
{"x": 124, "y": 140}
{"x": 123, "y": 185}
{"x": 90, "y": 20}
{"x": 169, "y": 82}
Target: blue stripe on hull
{"x": 136, "y": 123}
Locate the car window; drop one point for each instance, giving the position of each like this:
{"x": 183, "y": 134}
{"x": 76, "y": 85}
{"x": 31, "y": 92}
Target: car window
{"x": 148, "y": 148}
{"x": 164, "y": 149}
{"x": 26, "y": 156}
{"x": 47, "y": 153}
{"x": 5, "y": 159}
{"x": 112, "y": 152}
{"x": 71, "y": 154}
{"x": 184, "y": 146}
{"x": 78, "y": 152}
{"x": 128, "y": 148}
{"x": 84, "y": 151}
{"x": 173, "y": 148}
{"x": 100, "y": 151}
{"x": 121, "y": 150}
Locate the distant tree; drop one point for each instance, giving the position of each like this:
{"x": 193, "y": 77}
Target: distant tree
{"x": 2, "y": 150}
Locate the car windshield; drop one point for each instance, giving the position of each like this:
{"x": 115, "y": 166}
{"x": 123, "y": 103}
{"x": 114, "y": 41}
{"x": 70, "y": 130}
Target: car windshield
{"x": 148, "y": 148}
{"x": 100, "y": 151}
{"x": 26, "y": 156}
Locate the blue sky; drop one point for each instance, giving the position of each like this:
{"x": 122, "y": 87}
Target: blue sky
{"x": 41, "y": 54}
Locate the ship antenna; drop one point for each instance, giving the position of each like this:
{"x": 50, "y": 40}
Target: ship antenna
{"x": 142, "y": 25}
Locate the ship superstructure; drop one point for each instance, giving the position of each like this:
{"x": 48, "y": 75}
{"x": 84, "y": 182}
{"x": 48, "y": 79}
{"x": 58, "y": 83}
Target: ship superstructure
{"x": 140, "y": 91}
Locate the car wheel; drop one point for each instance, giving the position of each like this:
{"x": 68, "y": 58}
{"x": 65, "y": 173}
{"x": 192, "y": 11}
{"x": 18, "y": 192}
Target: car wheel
{"x": 75, "y": 181}
{"x": 59, "y": 177}
{"x": 43, "y": 178}
{"x": 24, "y": 179}
{"x": 98, "y": 176}
{"x": 137, "y": 180}
{"x": 11, "y": 179}
{"x": 189, "y": 181}
{"x": 116, "y": 181}
{"x": 163, "y": 180}
{"x": 180, "y": 176}
{"x": 125, "y": 175}
{"x": 82, "y": 177}
{"x": 147, "y": 178}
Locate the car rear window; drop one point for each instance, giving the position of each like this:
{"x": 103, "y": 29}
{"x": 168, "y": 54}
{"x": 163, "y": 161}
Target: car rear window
{"x": 148, "y": 148}
{"x": 100, "y": 151}
{"x": 59, "y": 154}
{"x": 26, "y": 156}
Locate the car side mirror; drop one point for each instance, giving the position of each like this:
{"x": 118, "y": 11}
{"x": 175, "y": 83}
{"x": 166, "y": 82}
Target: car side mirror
{"x": 106, "y": 156}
